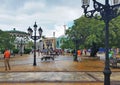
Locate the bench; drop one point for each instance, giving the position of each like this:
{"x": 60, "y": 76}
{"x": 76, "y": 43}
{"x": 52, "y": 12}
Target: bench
{"x": 53, "y": 54}
{"x": 47, "y": 57}
{"x": 114, "y": 62}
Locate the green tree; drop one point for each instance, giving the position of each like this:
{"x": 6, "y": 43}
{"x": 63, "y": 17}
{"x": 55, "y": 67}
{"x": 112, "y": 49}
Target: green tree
{"x": 86, "y": 31}
{"x": 67, "y": 44}
{"x": 30, "y": 44}
{"x": 6, "y": 40}
{"x": 114, "y": 33}
{"x": 89, "y": 30}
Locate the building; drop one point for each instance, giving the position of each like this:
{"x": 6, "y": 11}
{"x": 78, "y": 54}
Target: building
{"x": 18, "y": 33}
{"x": 49, "y": 42}
{"x": 60, "y": 39}
{"x": 21, "y": 39}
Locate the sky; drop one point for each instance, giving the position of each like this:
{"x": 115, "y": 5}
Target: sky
{"x": 50, "y": 15}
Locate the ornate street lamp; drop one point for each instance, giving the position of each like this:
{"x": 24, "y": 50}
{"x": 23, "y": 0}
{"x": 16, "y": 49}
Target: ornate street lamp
{"x": 20, "y": 41}
{"x": 76, "y": 48}
{"x": 30, "y": 32}
{"x": 86, "y": 2}
{"x": 107, "y": 13}
{"x": 76, "y": 41}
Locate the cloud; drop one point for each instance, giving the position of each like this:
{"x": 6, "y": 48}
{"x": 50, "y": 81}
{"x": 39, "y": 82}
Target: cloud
{"x": 51, "y": 15}
{"x": 60, "y": 30}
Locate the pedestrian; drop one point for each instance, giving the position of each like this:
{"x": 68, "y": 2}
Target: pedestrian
{"x": 111, "y": 54}
{"x": 6, "y": 59}
{"x": 74, "y": 54}
{"x": 38, "y": 52}
{"x": 79, "y": 52}
{"x": 85, "y": 51}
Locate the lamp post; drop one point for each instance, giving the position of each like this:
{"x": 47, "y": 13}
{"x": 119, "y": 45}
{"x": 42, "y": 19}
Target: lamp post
{"x": 21, "y": 44}
{"x": 76, "y": 42}
{"x": 107, "y": 13}
{"x": 20, "y": 41}
{"x": 76, "y": 48}
{"x": 35, "y": 38}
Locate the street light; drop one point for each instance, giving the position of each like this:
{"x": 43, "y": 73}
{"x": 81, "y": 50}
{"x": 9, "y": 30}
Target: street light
{"x": 107, "y": 13}
{"x": 21, "y": 46}
{"x": 20, "y": 41}
{"x": 30, "y": 32}
{"x": 76, "y": 48}
{"x": 76, "y": 41}
{"x": 85, "y": 2}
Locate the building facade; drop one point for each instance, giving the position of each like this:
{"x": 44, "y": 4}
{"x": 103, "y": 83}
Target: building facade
{"x": 59, "y": 41}
{"x": 49, "y": 42}
{"x": 21, "y": 39}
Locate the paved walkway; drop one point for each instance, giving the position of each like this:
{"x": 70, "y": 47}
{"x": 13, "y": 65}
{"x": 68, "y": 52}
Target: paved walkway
{"x": 55, "y": 77}
{"x": 62, "y": 71}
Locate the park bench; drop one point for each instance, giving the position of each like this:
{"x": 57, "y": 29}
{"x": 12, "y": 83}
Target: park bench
{"x": 114, "y": 62}
{"x": 53, "y": 54}
{"x": 47, "y": 57}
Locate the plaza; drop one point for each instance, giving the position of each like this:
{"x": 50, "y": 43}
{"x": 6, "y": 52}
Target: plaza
{"x": 50, "y": 42}
{"x": 62, "y": 71}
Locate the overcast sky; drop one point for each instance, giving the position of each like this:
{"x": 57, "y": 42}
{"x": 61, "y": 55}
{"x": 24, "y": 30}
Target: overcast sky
{"x": 51, "y": 15}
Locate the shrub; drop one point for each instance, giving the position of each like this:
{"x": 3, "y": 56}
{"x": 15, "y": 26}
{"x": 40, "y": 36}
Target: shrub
{"x": 27, "y": 51}
{"x": 15, "y": 51}
{"x": 2, "y": 51}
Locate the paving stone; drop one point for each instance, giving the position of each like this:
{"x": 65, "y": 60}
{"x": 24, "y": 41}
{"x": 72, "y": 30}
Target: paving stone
{"x": 63, "y": 69}
{"x": 46, "y": 76}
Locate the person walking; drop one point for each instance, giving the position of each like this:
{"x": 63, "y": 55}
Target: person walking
{"x": 79, "y": 55}
{"x": 6, "y": 59}
{"x": 85, "y": 51}
{"x": 38, "y": 52}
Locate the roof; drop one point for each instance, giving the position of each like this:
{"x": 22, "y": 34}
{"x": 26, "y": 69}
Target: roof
{"x": 62, "y": 36}
{"x": 16, "y": 31}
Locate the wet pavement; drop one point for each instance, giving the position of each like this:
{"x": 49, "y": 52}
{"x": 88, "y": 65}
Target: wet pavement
{"x": 63, "y": 70}
{"x": 56, "y": 76}
{"x": 46, "y": 76}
